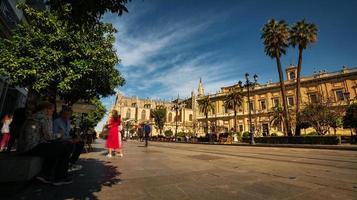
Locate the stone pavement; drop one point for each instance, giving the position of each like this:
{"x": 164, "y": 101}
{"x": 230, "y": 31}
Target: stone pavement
{"x": 188, "y": 171}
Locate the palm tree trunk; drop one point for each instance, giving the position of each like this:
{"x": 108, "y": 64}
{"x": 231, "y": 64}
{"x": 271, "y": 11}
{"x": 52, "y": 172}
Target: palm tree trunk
{"x": 283, "y": 94}
{"x": 235, "y": 120}
{"x": 207, "y": 123}
{"x": 298, "y": 86}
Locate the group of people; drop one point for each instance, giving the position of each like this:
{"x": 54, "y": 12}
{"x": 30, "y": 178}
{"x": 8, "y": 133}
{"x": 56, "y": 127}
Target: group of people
{"x": 38, "y": 134}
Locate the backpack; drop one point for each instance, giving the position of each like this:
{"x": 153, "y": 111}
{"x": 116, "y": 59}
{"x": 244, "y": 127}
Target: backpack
{"x": 147, "y": 129}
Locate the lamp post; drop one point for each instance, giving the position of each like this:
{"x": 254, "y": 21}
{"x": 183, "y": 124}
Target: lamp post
{"x": 249, "y": 84}
{"x": 177, "y": 106}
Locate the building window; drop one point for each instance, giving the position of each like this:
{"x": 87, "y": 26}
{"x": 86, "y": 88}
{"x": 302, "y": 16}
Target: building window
{"x": 143, "y": 115}
{"x": 128, "y": 114}
{"x": 251, "y": 105}
{"x": 290, "y": 101}
{"x": 133, "y": 105}
{"x": 276, "y": 102}
{"x": 339, "y": 95}
{"x": 241, "y": 128}
{"x": 263, "y": 105}
{"x": 292, "y": 75}
{"x": 190, "y": 117}
{"x": 147, "y": 106}
{"x": 313, "y": 98}
{"x": 170, "y": 117}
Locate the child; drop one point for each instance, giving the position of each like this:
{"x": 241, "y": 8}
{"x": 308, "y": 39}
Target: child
{"x": 5, "y": 130}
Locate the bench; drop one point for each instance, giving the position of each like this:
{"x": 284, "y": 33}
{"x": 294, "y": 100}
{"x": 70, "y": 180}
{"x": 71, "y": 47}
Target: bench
{"x": 15, "y": 168}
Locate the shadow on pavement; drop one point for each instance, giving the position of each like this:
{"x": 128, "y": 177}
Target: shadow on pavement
{"x": 86, "y": 182}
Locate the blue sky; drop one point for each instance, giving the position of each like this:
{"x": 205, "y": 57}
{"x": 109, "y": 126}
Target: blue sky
{"x": 165, "y": 46}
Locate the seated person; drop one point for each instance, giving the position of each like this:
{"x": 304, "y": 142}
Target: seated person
{"x": 61, "y": 130}
{"x": 36, "y": 139}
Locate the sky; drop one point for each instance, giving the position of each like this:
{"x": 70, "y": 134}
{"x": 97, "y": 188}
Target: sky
{"x": 166, "y": 46}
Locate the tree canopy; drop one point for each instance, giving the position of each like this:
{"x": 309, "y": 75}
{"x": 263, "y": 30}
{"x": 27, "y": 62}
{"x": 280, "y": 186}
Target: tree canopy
{"x": 50, "y": 57}
{"x": 159, "y": 115}
{"x": 91, "y": 119}
{"x": 87, "y": 11}
{"x": 350, "y": 118}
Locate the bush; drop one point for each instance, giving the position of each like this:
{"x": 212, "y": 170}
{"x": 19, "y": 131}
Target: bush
{"x": 168, "y": 133}
{"x": 299, "y": 140}
{"x": 312, "y": 133}
{"x": 246, "y": 134}
{"x": 274, "y": 134}
{"x": 181, "y": 134}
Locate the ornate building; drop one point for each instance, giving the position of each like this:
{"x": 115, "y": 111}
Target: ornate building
{"x": 179, "y": 113}
{"x": 340, "y": 87}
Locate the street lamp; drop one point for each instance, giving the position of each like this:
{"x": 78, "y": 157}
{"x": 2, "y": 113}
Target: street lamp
{"x": 248, "y": 84}
{"x": 177, "y": 106}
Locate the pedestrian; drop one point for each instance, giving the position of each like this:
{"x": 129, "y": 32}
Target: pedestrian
{"x": 147, "y": 131}
{"x": 17, "y": 122}
{"x": 62, "y": 132}
{"x": 5, "y": 131}
{"x": 114, "y": 136}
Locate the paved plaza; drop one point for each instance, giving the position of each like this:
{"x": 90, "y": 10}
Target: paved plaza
{"x": 187, "y": 171}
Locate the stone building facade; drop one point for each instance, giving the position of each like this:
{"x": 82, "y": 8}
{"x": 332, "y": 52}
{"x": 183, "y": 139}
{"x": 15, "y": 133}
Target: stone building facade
{"x": 340, "y": 87}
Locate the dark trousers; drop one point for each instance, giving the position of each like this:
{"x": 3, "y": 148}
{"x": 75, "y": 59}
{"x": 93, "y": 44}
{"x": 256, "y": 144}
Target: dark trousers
{"x": 76, "y": 148}
{"x": 56, "y": 158}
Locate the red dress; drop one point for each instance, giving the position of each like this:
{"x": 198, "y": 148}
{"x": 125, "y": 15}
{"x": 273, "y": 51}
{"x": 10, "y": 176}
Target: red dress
{"x": 113, "y": 140}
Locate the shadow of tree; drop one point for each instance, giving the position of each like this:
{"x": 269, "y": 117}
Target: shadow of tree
{"x": 86, "y": 182}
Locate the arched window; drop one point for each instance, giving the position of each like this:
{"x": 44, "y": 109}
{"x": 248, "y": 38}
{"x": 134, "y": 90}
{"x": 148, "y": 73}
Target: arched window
{"x": 292, "y": 75}
{"x": 169, "y": 119}
{"x": 190, "y": 117}
{"x": 143, "y": 115}
{"x": 128, "y": 113}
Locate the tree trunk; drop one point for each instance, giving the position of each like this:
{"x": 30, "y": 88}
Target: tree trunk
{"x": 235, "y": 120}
{"x": 207, "y": 124}
{"x": 283, "y": 94}
{"x": 298, "y": 86}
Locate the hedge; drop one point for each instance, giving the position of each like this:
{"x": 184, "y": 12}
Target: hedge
{"x": 298, "y": 140}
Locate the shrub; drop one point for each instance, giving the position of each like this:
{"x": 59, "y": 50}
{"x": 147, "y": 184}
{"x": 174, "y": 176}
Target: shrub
{"x": 246, "y": 134}
{"x": 299, "y": 140}
{"x": 274, "y": 134}
{"x": 168, "y": 133}
{"x": 181, "y": 134}
{"x": 312, "y": 133}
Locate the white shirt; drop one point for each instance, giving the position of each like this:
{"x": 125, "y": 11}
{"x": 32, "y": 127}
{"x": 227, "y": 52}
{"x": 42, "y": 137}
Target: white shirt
{"x": 5, "y": 127}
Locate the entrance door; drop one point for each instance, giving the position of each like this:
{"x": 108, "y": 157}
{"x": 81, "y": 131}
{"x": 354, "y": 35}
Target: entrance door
{"x": 265, "y": 129}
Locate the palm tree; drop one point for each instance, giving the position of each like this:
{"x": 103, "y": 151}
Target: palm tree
{"x": 277, "y": 116}
{"x": 233, "y": 101}
{"x": 276, "y": 39}
{"x": 205, "y": 106}
{"x": 301, "y": 35}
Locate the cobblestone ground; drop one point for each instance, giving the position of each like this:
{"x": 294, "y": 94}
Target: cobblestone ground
{"x": 186, "y": 171}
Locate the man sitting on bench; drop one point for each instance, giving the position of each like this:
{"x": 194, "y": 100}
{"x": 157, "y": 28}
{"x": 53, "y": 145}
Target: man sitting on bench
{"x": 62, "y": 129}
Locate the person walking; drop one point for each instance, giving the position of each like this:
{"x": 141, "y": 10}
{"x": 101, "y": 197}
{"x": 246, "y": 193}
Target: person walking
{"x": 114, "y": 136}
{"x": 147, "y": 131}
{"x": 5, "y": 130}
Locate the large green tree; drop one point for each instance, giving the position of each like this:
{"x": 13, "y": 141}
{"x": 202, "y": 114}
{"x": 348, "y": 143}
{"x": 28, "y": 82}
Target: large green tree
{"x": 233, "y": 101}
{"x": 92, "y": 118}
{"x": 275, "y": 35}
{"x": 86, "y": 12}
{"x": 159, "y": 116}
{"x": 302, "y": 34}
{"x": 206, "y": 105}
{"x": 350, "y": 118}
{"x": 48, "y": 56}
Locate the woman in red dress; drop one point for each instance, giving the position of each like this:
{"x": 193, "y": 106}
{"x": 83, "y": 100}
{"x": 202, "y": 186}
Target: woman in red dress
{"x": 114, "y": 136}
